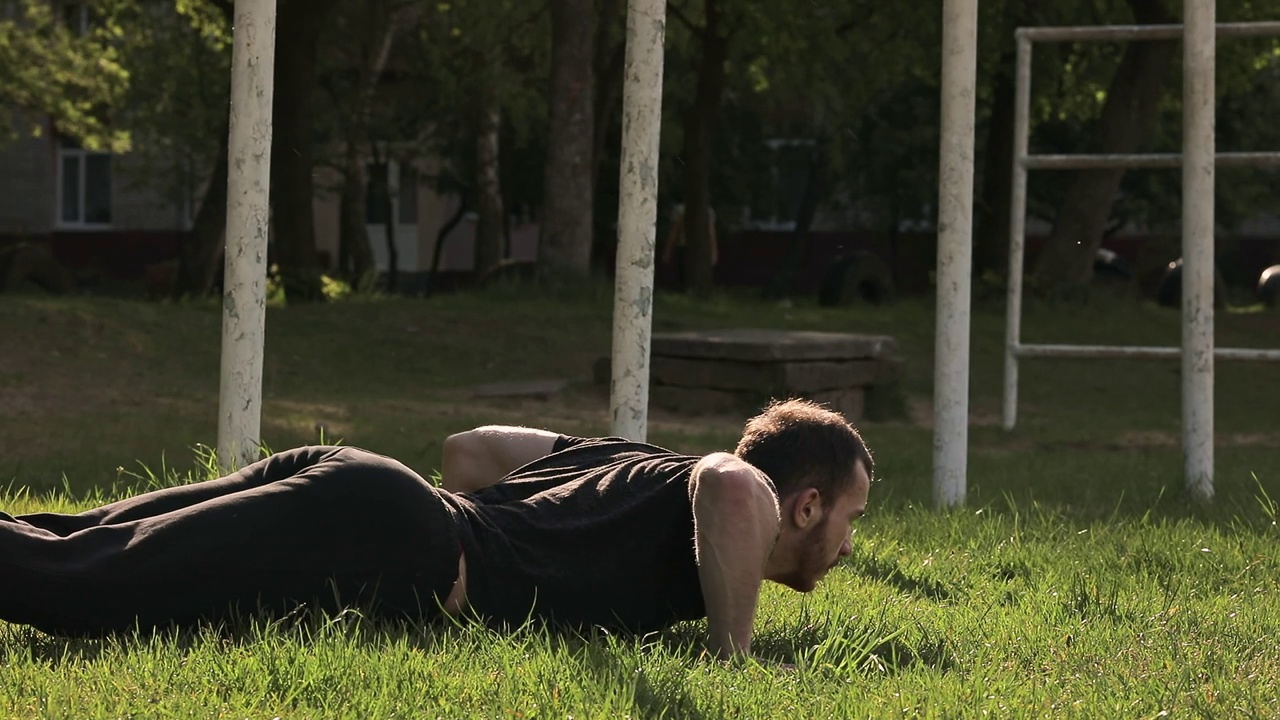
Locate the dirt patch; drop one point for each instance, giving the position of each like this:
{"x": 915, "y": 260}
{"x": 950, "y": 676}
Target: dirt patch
{"x": 920, "y": 414}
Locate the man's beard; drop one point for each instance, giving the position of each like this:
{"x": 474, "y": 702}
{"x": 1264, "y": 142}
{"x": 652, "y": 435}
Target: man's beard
{"x": 813, "y": 562}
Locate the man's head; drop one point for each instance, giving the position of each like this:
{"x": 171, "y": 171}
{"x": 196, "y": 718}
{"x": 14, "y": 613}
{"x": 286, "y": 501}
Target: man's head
{"x": 822, "y": 470}
{"x": 800, "y": 444}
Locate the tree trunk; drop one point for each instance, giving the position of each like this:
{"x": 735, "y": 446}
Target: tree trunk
{"x": 1065, "y": 266}
{"x": 200, "y": 255}
{"x": 443, "y": 235}
{"x": 609, "y": 62}
{"x": 991, "y": 221}
{"x": 386, "y": 209}
{"x": 355, "y": 254}
{"x": 699, "y": 132}
{"x": 564, "y": 244}
{"x": 489, "y": 224}
{"x": 297, "y": 31}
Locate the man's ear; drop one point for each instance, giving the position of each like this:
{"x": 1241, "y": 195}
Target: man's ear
{"x": 806, "y": 508}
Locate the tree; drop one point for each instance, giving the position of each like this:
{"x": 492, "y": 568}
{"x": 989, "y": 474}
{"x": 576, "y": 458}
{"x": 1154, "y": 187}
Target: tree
{"x": 700, "y": 122}
{"x": 486, "y": 65}
{"x": 490, "y": 223}
{"x": 298, "y": 27}
{"x": 364, "y": 36}
{"x": 1065, "y": 265}
{"x": 564, "y": 246}
{"x": 180, "y": 63}
{"x": 52, "y": 67}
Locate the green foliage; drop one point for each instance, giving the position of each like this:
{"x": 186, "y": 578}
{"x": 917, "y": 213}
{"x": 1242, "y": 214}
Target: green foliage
{"x": 334, "y": 288}
{"x": 179, "y": 56}
{"x": 50, "y": 68}
{"x": 439, "y": 65}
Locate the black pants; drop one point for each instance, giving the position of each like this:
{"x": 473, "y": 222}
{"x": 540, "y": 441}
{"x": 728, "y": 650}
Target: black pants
{"x": 325, "y": 527}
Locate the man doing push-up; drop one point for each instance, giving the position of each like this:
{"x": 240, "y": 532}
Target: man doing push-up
{"x": 576, "y": 532}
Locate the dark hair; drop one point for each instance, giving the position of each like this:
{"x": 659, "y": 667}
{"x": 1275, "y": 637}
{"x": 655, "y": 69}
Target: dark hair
{"x": 800, "y": 444}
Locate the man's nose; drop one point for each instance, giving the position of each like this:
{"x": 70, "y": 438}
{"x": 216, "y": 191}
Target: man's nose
{"x": 846, "y": 548}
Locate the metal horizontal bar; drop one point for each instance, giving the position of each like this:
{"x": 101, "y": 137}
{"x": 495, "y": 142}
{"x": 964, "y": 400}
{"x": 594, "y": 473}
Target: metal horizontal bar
{"x": 1138, "y": 352}
{"x": 1141, "y": 32}
{"x": 1148, "y": 160}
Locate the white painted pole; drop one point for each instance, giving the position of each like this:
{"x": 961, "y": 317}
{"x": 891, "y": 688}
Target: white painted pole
{"x": 637, "y": 215}
{"x": 1198, "y": 245}
{"x": 248, "y": 186}
{"x": 955, "y": 252}
{"x": 1017, "y": 230}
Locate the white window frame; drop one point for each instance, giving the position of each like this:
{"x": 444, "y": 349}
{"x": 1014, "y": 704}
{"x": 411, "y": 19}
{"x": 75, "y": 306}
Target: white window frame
{"x": 773, "y": 223}
{"x": 81, "y": 155}
{"x": 82, "y": 24}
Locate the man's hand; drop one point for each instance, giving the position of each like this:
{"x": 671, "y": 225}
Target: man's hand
{"x": 736, "y": 522}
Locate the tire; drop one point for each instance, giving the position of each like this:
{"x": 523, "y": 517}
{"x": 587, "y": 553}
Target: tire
{"x": 1269, "y": 287}
{"x": 30, "y": 265}
{"x": 1169, "y": 294}
{"x": 1107, "y": 265}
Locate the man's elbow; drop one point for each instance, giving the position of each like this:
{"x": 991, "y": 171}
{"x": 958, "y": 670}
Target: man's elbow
{"x": 457, "y": 463}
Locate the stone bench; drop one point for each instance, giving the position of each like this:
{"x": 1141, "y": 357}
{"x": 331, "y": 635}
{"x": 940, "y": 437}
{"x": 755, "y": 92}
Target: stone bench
{"x": 739, "y": 370}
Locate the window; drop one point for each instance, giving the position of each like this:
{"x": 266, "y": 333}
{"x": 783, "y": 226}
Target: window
{"x": 84, "y": 186}
{"x": 75, "y": 15}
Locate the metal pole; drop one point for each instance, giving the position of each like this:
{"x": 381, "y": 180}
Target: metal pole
{"x": 248, "y": 185}
{"x": 1146, "y": 160}
{"x": 1197, "y": 245}
{"x": 1147, "y": 32}
{"x": 1140, "y": 352}
{"x": 637, "y": 213}
{"x": 1017, "y": 230}
{"x": 955, "y": 251}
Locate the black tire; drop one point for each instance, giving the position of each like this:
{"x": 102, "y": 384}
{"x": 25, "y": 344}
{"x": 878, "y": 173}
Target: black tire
{"x": 1269, "y": 287}
{"x": 32, "y": 265}
{"x": 1107, "y": 265}
{"x": 1169, "y": 294}
{"x": 856, "y": 277}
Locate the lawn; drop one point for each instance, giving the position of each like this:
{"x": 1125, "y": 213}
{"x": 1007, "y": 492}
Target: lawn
{"x": 1076, "y": 581}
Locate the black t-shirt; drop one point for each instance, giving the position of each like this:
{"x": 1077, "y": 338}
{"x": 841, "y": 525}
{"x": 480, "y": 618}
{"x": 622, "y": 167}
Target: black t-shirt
{"x": 598, "y": 533}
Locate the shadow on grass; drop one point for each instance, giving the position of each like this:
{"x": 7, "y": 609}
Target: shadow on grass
{"x": 848, "y": 650}
{"x": 246, "y": 630}
{"x": 890, "y": 573}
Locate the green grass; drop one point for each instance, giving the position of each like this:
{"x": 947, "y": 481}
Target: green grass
{"x": 1076, "y": 582}
{"x": 1002, "y": 610}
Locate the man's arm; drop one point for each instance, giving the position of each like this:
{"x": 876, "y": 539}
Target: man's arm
{"x": 736, "y": 521}
{"x": 478, "y": 458}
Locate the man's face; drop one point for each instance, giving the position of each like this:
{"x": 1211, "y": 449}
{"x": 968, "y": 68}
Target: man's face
{"x": 828, "y": 541}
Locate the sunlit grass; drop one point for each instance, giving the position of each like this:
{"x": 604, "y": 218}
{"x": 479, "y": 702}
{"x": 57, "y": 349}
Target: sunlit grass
{"x": 1006, "y": 610}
